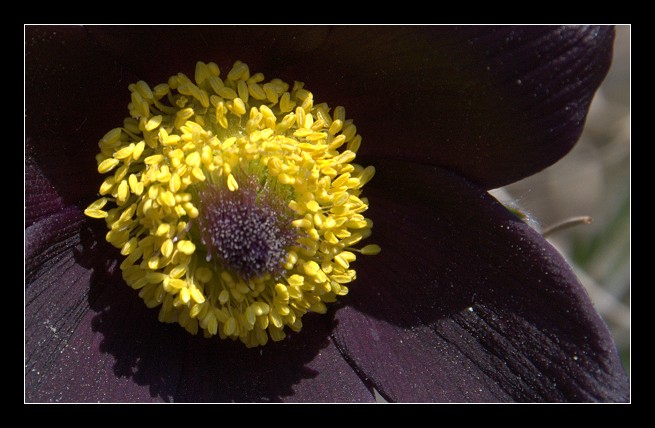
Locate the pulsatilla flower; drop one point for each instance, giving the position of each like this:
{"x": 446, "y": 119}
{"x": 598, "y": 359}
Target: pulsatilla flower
{"x": 236, "y": 209}
{"x": 238, "y": 202}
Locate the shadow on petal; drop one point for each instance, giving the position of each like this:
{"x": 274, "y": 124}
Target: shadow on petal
{"x": 176, "y": 366}
{"x": 467, "y": 303}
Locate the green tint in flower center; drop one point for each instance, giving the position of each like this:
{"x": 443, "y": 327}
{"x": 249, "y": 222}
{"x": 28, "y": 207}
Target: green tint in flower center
{"x": 235, "y": 202}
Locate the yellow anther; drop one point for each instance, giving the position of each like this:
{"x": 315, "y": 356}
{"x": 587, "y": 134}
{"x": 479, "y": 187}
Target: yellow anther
{"x": 95, "y": 213}
{"x": 111, "y": 137}
{"x": 311, "y": 268}
{"x": 160, "y": 90}
{"x": 196, "y": 295}
{"x": 286, "y": 105}
{"x": 144, "y": 90}
{"x": 230, "y": 326}
{"x": 123, "y": 191}
{"x": 125, "y": 152}
{"x": 107, "y": 186}
{"x": 202, "y": 72}
{"x": 167, "y": 248}
{"x": 271, "y": 93}
{"x": 239, "y": 71}
{"x": 155, "y": 277}
{"x": 227, "y": 93}
{"x": 186, "y": 247}
{"x": 171, "y": 140}
{"x": 281, "y": 292}
{"x": 167, "y": 198}
{"x": 232, "y": 183}
{"x": 216, "y": 84}
{"x": 340, "y": 113}
{"x": 175, "y": 183}
{"x": 198, "y": 174}
{"x": 193, "y": 159}
{"x": 204, "y": 274}
{"x": 371, "y": 250}
{"x": 185, "y": 295}
{"x": 129, "y": 247}
{"x": 138, "y": 150}
{"x": 242, "y": 91}
{"x": 286, "y": 178}
{"x": 177, "y": 271}
{"x": 96, "y": 205}
{"x": 174, "y": 284}
{"x": 154, "y": 159}
{"x": 153, "y": 123}
{"x": 163, "y": 229}
{"x": 107, "y": 165}
{"x": 228, "y": 143}
{"x": 302, "y": 223}
{"x": 256, "y": 91}
{"x": 296, "y": 280}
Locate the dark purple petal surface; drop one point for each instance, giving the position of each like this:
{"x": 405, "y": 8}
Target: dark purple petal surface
{"x": 41, "y": 198}
{"x": 90, "y": 338}
{"x": 467, "y": 303}
{"x": 74, "y": 95}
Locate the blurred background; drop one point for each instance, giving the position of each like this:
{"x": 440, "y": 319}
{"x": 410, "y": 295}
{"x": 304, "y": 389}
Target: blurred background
{"x": 593, "y": 180}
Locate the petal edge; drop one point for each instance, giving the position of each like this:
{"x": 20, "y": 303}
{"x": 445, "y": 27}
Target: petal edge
{"x": 486, "y": 310}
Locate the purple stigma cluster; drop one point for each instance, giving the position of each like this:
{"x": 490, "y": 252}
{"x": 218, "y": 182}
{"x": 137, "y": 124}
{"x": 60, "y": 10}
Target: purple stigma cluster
{"x": 248, "y": 231}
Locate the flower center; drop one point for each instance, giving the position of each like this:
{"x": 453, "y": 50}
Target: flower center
{"x": 248, "y": 231}
{"x": 234, "y": 201}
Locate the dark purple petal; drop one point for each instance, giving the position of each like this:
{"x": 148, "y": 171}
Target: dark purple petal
{"x": 467, "y": 303}
{"x": 89, "y": 338}
{"x": 41, "y": 197}
{"x": 495, "y": 104}
{"x": 74, "y": 95}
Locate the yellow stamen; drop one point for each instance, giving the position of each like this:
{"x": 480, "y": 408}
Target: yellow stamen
{"x": 232, "y": 183}
{"x": 185, "y": 135}
{"x": 371, "y": 250}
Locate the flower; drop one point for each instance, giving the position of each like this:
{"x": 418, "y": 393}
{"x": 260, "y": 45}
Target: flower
{"x": 235, "y": 203}
{"x": 464, "y": 303}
